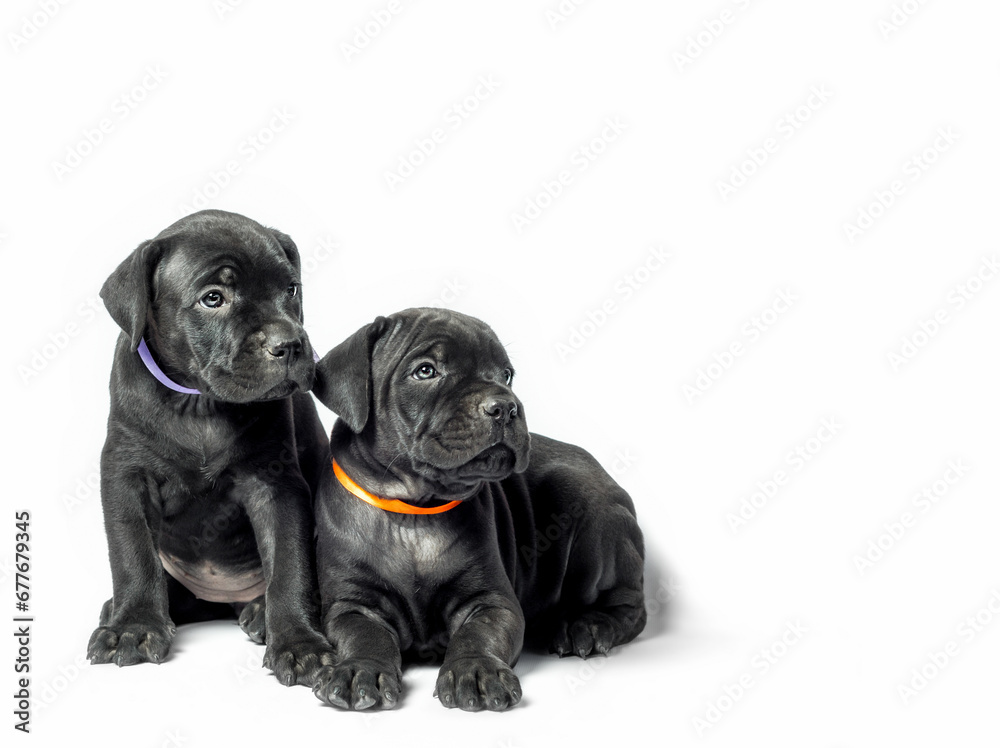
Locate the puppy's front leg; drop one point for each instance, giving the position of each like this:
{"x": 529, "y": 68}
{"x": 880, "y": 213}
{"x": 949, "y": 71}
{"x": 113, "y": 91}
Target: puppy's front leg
{"x": 477, "y": 673}
{"x": 368, "y": 673}
{"x": 135, "y": 624}
{"x": 281, "y": 517}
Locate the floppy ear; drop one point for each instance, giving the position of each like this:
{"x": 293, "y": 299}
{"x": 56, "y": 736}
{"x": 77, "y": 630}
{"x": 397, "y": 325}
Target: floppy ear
{"x": 127, "y": 291}
{"x": 344, "y": 375}
{"x": 289, "y": 246}
{"x": 292, "y": 253}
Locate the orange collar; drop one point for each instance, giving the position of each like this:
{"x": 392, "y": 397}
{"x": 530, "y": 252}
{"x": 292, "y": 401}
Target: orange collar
{"x": 389, "y": 505}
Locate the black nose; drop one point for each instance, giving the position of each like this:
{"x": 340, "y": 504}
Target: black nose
{"x": 500, "y": 410}
{"x": 283, "y": 348}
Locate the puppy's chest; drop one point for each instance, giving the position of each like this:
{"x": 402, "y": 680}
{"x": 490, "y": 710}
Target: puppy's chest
{"x": 428, "y": 552}
{"x": 200, "y": 473}
{"x": 211, "y": 445}
{"x": 436, "y": 558}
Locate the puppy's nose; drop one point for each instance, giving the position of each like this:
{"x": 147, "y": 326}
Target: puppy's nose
{"x": 500, "y": 410}
{"x": 284, "y": 348}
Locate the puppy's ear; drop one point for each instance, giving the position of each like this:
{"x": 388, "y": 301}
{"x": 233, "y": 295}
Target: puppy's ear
{"x": 292, "y": 253}
{"x": 289, "y": 246}
{"x": 127, "y": 292}
{"x": 344, "y": 375}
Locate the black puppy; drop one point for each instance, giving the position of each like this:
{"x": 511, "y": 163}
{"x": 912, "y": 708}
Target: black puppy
{"x": 214, "y": 447}
{"x": 435, "y": 533}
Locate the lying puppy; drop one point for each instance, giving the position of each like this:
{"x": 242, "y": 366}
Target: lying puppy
{"x": 435, "y": 532}
{"x": 214, "y": 447}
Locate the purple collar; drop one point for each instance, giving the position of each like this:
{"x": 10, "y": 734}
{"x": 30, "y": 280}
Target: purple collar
{"x": 156, "y": 371}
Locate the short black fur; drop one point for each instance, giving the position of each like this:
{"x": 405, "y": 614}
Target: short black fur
{"x": 216, "y": 488}
{"x": 547, "y": 548}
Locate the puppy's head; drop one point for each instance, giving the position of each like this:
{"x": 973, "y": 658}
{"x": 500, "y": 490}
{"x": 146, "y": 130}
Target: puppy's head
{"x": 218, "y": 299}
{"x": 429, "y": 392}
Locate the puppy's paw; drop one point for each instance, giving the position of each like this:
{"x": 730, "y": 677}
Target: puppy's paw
{"x": 590, "y": 633}
{"x": 359, "y": 684}
{"x": 252, "y": 620}
{"x": 298, "y": 660}
{"x": 477, "y": 683}
{"x": 130, "y": 643}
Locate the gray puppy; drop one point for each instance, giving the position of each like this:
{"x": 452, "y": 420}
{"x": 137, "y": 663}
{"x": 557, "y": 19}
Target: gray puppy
{"x": 437, "y": 536}
{"x": 214, "y": 447}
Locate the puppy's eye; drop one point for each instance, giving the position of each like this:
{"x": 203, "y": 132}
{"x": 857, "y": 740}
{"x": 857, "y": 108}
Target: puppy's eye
{"x": 424, "y": 371}
{"x": 292, "y": 290}
{"x": 212, "y": 300}
{"x": 508, "y": 375}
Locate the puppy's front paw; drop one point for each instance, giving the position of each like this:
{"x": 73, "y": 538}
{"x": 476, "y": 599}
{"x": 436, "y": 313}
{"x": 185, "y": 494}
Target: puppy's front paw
{"x": 359, "y": 684}
{"x": 130, "y": 643}
{"x": 477, "y": 683}
{"x": 297, "y": 660}
{"x": 252, "y": 620}
{"x": 593, "y": 632}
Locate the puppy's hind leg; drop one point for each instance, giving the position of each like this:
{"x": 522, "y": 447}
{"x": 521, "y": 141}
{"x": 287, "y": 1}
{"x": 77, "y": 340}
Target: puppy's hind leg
{"x": 595, "y": 630}
{"x": 252, "y": 618}
{"x": 602, "y": 603}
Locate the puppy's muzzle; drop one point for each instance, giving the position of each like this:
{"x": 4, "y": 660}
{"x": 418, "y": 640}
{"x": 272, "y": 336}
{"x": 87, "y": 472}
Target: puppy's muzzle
{"x": 282, "y": 342}
{"x": 287, "y": 349}
{"x": 501, "y": 410}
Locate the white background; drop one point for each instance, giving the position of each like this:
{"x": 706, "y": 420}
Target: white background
{"x": 890, "y": 84}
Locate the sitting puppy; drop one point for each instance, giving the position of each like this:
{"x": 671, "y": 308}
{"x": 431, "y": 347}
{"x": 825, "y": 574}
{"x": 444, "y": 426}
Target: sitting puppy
{"x": 435, "y": 532}
{"x": 214, "y": 448}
